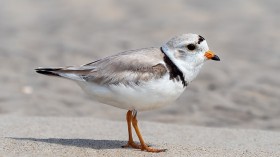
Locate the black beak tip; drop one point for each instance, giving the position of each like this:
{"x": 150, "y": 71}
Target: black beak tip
{"x": 216, "y": 58}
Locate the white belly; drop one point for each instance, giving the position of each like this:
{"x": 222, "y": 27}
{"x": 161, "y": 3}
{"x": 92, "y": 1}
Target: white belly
{"x": 146, "y": 96}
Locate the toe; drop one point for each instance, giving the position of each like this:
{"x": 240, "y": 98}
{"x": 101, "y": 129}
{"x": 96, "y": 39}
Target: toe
{"x": 132, "y": 145}
{"x": 154, "y": 150}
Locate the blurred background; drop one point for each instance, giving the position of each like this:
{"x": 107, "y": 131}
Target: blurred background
{"x": 241, "y": 91}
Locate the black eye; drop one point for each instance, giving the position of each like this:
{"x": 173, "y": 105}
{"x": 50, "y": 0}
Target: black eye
{"x": 191, "y": 47}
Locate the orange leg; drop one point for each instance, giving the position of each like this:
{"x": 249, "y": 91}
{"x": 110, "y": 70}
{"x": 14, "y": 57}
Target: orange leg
{"x": 130, "y": 142}
{"x": 143, "y": 145}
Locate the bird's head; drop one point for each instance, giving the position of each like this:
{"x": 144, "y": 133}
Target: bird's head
{"x": 191, "y": 48}
{"x": 188, "y": 52}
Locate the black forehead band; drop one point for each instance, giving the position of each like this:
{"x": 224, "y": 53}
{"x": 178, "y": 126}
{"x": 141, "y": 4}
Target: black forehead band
{"x": 200, "y": 39}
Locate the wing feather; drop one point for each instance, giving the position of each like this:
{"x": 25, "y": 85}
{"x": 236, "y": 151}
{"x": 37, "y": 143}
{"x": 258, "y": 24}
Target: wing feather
{"x": 128, "y": 68}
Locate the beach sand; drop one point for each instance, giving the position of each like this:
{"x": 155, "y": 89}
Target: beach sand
{"x": 37, "y": 136}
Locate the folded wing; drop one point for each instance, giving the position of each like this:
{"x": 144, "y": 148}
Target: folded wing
{"x": 128, "y": 68}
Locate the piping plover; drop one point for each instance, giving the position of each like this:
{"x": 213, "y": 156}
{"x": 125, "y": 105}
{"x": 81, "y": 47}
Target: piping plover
{"x": 142, "y": 79}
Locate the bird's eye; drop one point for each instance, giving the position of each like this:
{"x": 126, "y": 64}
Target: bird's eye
{"x": 191, "y": 47}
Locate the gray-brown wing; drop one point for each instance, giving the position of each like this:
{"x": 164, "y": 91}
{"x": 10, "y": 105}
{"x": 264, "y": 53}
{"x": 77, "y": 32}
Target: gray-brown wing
{"x": 126, "y": 68}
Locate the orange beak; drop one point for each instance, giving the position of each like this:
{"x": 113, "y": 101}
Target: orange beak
{"x": 210, "y": 55}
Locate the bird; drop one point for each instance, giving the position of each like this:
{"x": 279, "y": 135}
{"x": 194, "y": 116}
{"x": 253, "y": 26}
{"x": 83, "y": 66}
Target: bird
{"x": 142, "y": 79}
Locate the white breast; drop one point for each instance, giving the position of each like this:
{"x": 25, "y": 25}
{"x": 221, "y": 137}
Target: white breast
{"x": 146, "y": 96}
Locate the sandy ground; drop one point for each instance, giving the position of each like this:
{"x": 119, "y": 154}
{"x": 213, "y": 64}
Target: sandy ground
{"x": 37, "y": 136}
{"x": 241, "y": 91}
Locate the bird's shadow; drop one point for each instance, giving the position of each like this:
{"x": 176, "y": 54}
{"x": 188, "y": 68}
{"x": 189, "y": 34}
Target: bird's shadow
{"x": 84, "y": 143}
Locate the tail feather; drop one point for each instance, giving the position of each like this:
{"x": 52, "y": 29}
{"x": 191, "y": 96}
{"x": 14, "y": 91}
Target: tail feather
{"x": 48, "y": 71}
{"x": 71, "y": 73}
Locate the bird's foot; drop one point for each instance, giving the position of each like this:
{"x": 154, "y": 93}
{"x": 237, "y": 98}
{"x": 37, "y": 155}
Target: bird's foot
{"x": 132, "y": 144}
{"x": 153, "y": 150}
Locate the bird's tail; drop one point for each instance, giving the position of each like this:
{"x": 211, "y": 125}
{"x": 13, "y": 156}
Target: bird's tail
{"x": 49, "y": 71}
{"x": 72, "y": 73}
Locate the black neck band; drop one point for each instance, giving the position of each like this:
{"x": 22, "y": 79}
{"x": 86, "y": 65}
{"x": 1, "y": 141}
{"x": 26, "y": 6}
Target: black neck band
{"x": 174, "y": 71}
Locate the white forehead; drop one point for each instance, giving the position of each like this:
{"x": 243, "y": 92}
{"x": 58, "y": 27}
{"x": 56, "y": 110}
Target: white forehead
{"x": 183, "y": 39}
